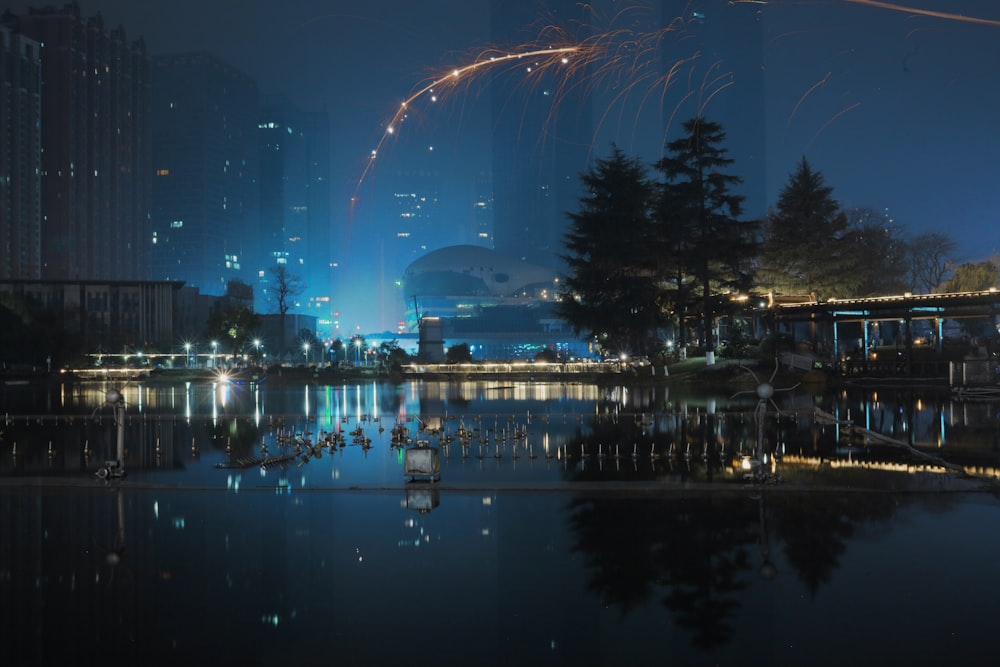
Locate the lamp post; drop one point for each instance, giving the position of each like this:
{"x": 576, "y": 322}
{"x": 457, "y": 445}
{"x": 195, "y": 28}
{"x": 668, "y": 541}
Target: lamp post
{"x": 215, "y": 349}
{"x": 187, "y": 354}
{"x": 305, "y": 352}
{"x": 357, "y": 352}
{"x": 256, "y": 347}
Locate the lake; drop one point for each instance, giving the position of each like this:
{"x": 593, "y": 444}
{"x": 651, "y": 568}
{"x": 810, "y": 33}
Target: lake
{"x": 567, "y": 524}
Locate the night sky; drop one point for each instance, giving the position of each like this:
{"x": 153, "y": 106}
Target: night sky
{"x": 896, "y": 105}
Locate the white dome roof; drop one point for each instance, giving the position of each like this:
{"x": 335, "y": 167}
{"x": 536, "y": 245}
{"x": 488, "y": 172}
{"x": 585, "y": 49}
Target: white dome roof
{"x": 465, "y": 269}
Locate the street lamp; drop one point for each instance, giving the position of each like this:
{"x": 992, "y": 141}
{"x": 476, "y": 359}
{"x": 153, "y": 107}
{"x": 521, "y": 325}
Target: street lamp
{"x": 187, "y": 354}
{"x": 256, "y": 347}
{"x": 305, "y": 352}
{"x": 215, "y": 349}
{"x": 357, "y": 352}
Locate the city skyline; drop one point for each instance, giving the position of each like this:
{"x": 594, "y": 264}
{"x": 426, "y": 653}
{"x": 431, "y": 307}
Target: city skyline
{"x": 890, "y": 102}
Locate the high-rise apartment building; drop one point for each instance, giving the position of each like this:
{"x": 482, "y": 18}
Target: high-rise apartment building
{"x": 94, "y": 133}
{"x": 205, "y": 168}
{"x": 295, "y": 223}
{"x": 20, "y": 156}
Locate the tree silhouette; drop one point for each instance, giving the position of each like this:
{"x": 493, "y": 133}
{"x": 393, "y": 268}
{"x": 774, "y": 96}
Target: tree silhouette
{"x": 880, "y": 251}
{"x": 930, "y": 261}
{"x": 697, "y": 201}
{"x": 285, "y": 286}
{"x": 808, "y": 246}
{"x": 234, "y": 325}
{"x": 973, "y": 277}
{"x": 609, "y": 293}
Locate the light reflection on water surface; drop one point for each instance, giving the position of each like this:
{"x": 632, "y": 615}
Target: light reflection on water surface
{"x": 619, "y": 530}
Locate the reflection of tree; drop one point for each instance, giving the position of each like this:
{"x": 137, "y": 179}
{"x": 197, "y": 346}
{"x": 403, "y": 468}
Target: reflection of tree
{"x": 697, "y": 555}
{"x": 703, "y": 577}
{"x": 603, "y": 437}
{"x": 626, "y": 445}
{"x": 620, "y": 542}
{"x": 816, "y": 527}
{"x": 695, "y": 550}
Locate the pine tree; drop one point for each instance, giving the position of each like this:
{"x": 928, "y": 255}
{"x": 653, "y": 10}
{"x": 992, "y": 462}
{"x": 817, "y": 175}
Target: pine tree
{"x": 712, "y": 248}
{"x": 807, "y": 245}
{"x": 608, "y": 293}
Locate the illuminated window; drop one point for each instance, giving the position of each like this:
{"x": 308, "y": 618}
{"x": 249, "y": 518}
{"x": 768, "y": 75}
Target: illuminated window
{"x": 162, "y": 172}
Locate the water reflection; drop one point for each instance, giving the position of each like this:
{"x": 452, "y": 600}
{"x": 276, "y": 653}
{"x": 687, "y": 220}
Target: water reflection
{"x": 490, "y": 433}
{"x": 168, "y": 576}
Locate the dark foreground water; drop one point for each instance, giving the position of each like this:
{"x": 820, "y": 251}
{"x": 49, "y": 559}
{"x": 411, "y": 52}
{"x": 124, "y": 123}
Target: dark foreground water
{"x": 763, "y": 577}
{"x": 570, "y": 525}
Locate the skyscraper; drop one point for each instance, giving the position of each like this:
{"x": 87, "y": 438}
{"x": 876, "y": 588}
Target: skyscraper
{"x": 94, "y": 168}
{"x": 20, "y": 157}
{"x": 295, "y": 202}
{"x": 205, "y": 166}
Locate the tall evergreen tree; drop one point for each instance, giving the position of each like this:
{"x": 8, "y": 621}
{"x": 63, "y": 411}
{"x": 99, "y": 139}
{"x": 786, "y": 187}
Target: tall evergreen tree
{"x": 714, "y": 248}
{"x": 608, "y": 293}
{"x": 807, "y": 241}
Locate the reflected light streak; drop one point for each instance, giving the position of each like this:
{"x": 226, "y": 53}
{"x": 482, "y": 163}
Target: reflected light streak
{"x": 257, "y": 408}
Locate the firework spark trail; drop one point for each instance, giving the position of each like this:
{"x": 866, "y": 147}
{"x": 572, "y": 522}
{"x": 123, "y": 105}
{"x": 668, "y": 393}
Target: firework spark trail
{"x": 829, "y": 122}
{"x": 451, "y": 80}
{"x": 621, "y": 62}
{"x": 925, "y": 12}
{"x": 712, "y": 86}
{"x": 818, "y": 84}
{"x": 623, "y": 65}
{"x": 894, "y": 7}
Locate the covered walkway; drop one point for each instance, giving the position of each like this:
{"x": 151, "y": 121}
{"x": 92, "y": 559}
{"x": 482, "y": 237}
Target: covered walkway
{"x": 910, "y": 335}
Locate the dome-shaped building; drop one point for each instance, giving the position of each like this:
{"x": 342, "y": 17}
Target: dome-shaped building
{"x": 503, "y": 307}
